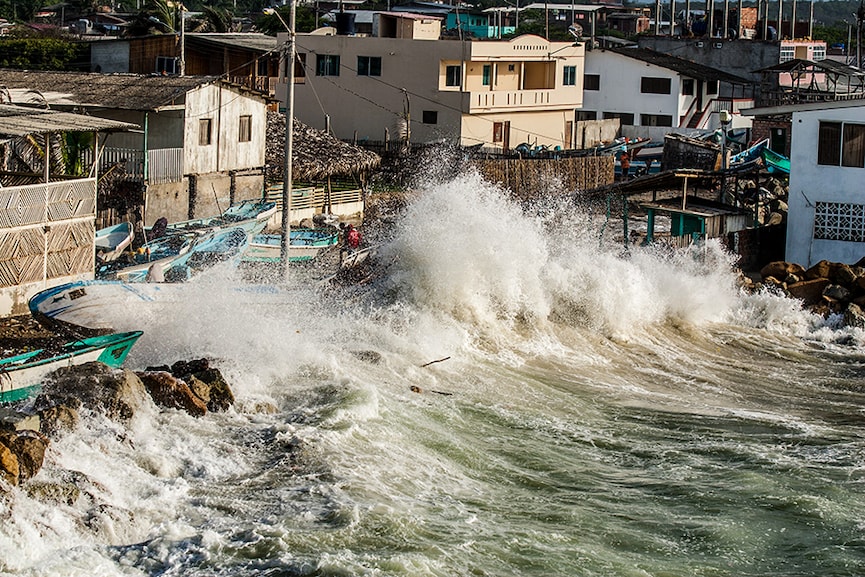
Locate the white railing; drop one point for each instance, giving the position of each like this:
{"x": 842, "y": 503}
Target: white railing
{"x": 165, "y": 165}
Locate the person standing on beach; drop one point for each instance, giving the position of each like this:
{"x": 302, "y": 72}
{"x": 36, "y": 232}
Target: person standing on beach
{"x": 625, "y": 162}
{"x": 352, "y": 237}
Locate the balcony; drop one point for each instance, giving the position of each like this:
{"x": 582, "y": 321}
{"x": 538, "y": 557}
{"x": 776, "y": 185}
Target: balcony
{"x": 503, "y": 100}
{"x": 163, "y": 164}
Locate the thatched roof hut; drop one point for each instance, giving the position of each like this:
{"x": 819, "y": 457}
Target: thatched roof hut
{"x": 316, "y": 155}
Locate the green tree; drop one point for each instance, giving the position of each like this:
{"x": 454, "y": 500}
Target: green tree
{"x": 271, "y": 24}
{"x": 38, "y": 53}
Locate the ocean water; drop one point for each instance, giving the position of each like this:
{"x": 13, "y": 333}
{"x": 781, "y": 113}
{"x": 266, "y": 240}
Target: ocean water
{"x": 512, "y": 394}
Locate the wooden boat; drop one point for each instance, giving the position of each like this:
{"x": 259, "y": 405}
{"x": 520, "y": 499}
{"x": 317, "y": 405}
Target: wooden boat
{"x": 775, "y": 162}
{"x": 248, "y": 213}
{"x": 113, "y": 240}
{"x": 160, "y": 252}
{"x": 751, "y": 153}
{"x": 305, "y": 244}
{"x": 221, "y": 245}
{"x": 94, "y": 304}
{"x": 21, "y": 375}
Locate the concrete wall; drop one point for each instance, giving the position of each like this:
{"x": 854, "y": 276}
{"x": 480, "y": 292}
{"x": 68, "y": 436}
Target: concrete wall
{"x": 811, "y": 183}
{"x": 739, "y": 57}
{"x": 212, "y": 196}
{"x": 109, "y": 57}
{"x": 590, "y": 133}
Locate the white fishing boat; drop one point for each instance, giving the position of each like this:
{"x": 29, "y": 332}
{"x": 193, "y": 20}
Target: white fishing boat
{"x": 113, "y": 240}
{"x": 99, "y": 304}
{"x": 305, "y": 244}
{"x": 159, "y": 253}
{"x": 249, "y": 213}
{"x": 21, "y": 375}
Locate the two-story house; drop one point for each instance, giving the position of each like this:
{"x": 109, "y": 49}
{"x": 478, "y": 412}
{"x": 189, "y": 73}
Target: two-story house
{"x": 496, "y": 94}
{"x": 652, "y": 93}
{"x": 827, "y": 146}
{"x": 202, "y": 142}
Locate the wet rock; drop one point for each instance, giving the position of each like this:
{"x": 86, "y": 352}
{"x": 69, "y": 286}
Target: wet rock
{"x": 836, "y": 292}
{"x": 59, "y": 418}
{"x": 181, "y": 369}
{"x": 809, "y": 291}
{"x": 842, "y": 274}
{"x": 371, "y": 357}
{"x": 9, "y": 469}
{"x": 168, "y": 391}
{"x": 210, "y": 387}
{"x": 854, "y": 316}
{"x": 56, "y": 493}
{"x": 819, "y": 270}
{"x": 12, "y": 420}
{"x": 117, "y": 393}
{"x": 21, "y": 455}
{"x": 780, "y": 269}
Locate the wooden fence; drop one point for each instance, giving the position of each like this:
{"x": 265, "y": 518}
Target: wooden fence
{"x": 530, "y": 178}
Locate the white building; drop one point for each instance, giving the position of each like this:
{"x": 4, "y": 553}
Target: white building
{"x": 826, "y": 218}
{"x": 496, "y": 94}
{"x": 201, "y": 144}
{"x": 654, "y": 93}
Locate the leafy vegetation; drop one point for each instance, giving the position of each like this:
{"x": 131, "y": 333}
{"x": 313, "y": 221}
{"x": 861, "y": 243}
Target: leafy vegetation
{"x": 39, "y": 54}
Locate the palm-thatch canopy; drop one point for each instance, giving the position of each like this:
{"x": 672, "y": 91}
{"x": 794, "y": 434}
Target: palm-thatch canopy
{"x": 316, "y": 155}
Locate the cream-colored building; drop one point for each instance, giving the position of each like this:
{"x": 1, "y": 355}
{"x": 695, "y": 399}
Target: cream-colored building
{"x": 496, "y": 94}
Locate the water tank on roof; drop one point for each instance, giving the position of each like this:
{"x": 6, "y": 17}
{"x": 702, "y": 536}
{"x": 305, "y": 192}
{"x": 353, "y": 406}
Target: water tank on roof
{"x": 345, "y": 23}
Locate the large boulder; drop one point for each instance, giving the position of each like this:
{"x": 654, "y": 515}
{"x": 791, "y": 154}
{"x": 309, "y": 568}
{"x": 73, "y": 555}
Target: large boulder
{"x": 781, "y": 269}
{"x": 820, "y": 270}
{"x": 21, "y": 454}
{"x": 171, "y": 392}
{"x": 809, "y": 291}
{"x": 117, "y": 393}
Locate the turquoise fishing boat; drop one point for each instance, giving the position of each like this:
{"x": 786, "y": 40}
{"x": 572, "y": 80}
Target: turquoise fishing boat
{"x": 305, "y": 244}
{"x": 775, "y": 162}
{"x": 21, "y": 375}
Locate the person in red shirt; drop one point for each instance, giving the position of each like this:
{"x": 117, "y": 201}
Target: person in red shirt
{"x": 625, "y": 162}
{"x": 352, "y": 237}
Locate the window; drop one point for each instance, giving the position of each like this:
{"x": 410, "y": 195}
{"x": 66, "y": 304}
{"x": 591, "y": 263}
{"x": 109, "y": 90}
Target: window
{"x": 498, "y": 131}
{"x": 585, "y": 115}
{"x": 244, "y": 131}
{"x": 841, "y": 144}
{"x": 327, "y": 65}
{"x": 430, "y": 117}
{"x": 787, "y": 53}
{"x": 818, "y": 53}
{"x": 570, "y": 76}
{"x": 591, "y": 81}
{"x": 261, "y": 68}
{"x": 204, "y": 128}
{"x": 452, "y": 75}
{"x": 167, "y": 65}
{"x": 624, "y": 117}
{"x": 650, "y": 85}
{"x": 839, "y": 221}
{"x": 369, "y": 65}
{"x": 687, "y": 87}
{"x": 487, "y": 71}
{"x": 656, "y": 120}
{"x": 711, "y": 87}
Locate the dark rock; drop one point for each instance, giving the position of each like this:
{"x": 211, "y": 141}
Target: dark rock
{"x": 59, "y": 418}
{"x": 182, "y": 368}
{"x": 117, "y": 393}
{"x": 29, "y": 447}
{"x": 9, "y": 468}
{"x": 210, "y": 386}
{"x": 854, "y": 316}
{"x": 809, "y": 291}
{"x": 836, "y": 292}
{"x": 168, "y": 391}
{"x": 780, "y": 269}
{"x": 820, "y": 270}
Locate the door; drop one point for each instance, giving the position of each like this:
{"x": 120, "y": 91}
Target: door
{"x": 506, "y": 136}
{"x": 778, "y": 140}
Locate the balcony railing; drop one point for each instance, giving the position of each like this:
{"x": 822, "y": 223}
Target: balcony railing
{"x": 512, "y": 99}
{"x": 163, "y": 164}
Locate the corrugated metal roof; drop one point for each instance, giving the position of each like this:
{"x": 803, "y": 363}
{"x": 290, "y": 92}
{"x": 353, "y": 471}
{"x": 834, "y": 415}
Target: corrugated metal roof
{"x": 16, "y": 121}
{"x": 687, "y": 67}
{"x": 797, "y": 64}
{"x": 249, "y": 41}
{"x": 119, "y": 91}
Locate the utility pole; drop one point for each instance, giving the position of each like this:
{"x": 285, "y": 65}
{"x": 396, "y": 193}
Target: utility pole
{"x": 289, "y": 141}
{"x": 860, "y": 16}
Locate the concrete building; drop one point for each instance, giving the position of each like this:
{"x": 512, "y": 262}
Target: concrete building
{"x": 826, "y": 222}
{"x": 653, "y": 93}
{"x": 202, "y": 141}
{"x": 496, "y": 94}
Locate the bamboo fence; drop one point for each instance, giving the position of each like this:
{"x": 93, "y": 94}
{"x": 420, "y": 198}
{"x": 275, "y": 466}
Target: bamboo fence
{"x": 530, "y": 178}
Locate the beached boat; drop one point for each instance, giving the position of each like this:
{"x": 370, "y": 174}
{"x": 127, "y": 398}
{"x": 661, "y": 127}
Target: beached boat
{"x": 113, "y": 240}
{"x": 248, "y": 214}
{"x": 305, "y": 244}
{"x": 21, "y": 375}
{"x": 160, "y": 252}
{"x": 775, "y": 162}
{"x": 221, "y": 245}
{"x": 751, "y": 153}
{"x": 102, "y": 304}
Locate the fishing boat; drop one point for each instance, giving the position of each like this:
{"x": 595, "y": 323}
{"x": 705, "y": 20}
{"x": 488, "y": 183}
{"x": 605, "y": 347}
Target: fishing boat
{"x": 775, "y": 162}
{"x": 753, "y": 152}
{"x": 21, "y": 375}
{"x": 99, "y": 305}
{"x": 305, "y": 244}
{"x": 113, "y": 240}
{"x": 221, "y": 245}
{"x": 248, "y": 213}
{"x": 160, "y": 252}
